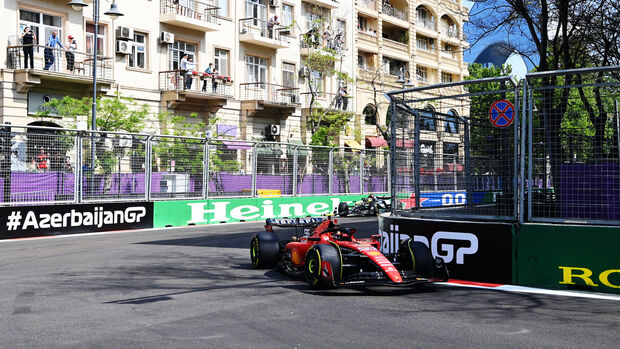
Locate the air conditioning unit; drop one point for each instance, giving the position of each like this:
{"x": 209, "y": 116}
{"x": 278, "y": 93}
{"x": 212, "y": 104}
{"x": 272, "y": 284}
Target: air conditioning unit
{"x": 166, "y": 38}
{"x": 124, "y": 47}
{"x": 273, "y": 130}
{"x": 125, "y": 33}
{"x": 304, "y": 71}
{"x": 274, "y": 3}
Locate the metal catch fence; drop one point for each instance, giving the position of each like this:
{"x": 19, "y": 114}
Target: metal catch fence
{"x": 40, "y": 165}
{"x": 451, "y": 159}
{"x": 546, "y": 150}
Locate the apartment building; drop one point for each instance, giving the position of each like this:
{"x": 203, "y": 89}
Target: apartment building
{"x": 402, "y": 44}
{"x": 259, "y": 93}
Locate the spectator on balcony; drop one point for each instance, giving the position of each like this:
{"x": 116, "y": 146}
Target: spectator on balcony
{"x": 273, "y": 21}
{"x": 48, "y": 52}
{"x": 71, "y": 46}
{"x": 341, "y": 99}
{"x": 209, "y": 71}
{"x": 213, "y": 80}
{"x": 327, "y": 37}
{"x": 186, "y": 68}
{"x": 28, "y": 39}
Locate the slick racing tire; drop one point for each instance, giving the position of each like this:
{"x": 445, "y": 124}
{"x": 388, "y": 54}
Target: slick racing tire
{"x": 343, "y": 209}
{"x": 317, "y": 276}
{"x": 264, "y": 250}
{"x": 417, "y": 257}
{"x": 373, "y": 209}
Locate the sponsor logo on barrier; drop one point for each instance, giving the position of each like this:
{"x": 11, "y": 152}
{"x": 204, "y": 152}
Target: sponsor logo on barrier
{"x": 569, "y": 274}
{"x": 98, "y": 217}
{"x": 443, "y": 244}
{"x": 219, "y": 211}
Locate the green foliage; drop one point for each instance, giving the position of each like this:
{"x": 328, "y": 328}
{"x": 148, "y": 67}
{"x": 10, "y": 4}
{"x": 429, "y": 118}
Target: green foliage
{"x": 113, "y": 114}
{"x": 330, "y": 124}
{"x": 320, "y": 61}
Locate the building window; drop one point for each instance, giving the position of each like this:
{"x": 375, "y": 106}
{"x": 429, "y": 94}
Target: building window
{"x": 223, "y": 7}
{"x": 316, "y": 81}
{"x": 424, "y": 43}
{"x": 341, "y": 28}
{"x": 427, "y": 155}
{"x": 101, "y": 39}
{"x": 287, "y": 15}
{"x": 425, "y": 19}
{"x": 428, "y": 119}
{"x": 137, "y": 59}
{"x": 451, "y": 124}
{"x": 422, "y": 74}
{"x": 361, "y": 61}
{"x": 370, "y": 117}
{"x": 288, "y": 75}
{"x": 393, "y": 67}
{"x": 256, "y": 9}
{"x": 446, "y": 77}
{"x": 362, "y": 23}
{"x": 178, "y": 50}
{"x": 42, "y": 24}
{"x": 450, "y": 155}
{"x": 256, "y": 69}
{"x": 221, "y": 61}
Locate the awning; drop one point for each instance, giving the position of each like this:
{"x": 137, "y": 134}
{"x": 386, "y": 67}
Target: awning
{"x": 232, "y": 145}
{"x": 353, "y": 144}
{"x": 375, "y": 142}
{"x": 269, "y": 150}
{"x": 301, "y": 150}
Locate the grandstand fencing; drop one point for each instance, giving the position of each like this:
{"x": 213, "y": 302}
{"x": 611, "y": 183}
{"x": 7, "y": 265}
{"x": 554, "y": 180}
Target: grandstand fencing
{"x": 42, "y": 165}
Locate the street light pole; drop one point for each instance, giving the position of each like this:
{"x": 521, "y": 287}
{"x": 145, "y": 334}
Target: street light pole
{"x": 114, "y": 13}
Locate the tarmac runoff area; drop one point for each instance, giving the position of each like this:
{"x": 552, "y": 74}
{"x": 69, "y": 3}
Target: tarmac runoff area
{"x": 194, "y": 287}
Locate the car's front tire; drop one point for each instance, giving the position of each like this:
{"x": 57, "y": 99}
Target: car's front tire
{"x": 343, "y": 209}
{"x": 264, "y": 250}
{"x": 316, "y": 276}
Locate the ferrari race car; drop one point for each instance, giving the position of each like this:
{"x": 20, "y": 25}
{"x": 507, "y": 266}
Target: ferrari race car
{"x": 369, "y": 205}
{"x": 328, "y": 256}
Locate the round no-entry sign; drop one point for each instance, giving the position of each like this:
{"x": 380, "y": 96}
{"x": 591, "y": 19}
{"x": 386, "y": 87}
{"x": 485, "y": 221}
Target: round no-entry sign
{"x": 502, "y": 113}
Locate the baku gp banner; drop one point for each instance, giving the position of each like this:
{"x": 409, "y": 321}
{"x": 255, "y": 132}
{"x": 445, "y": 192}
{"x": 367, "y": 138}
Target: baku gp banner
{"x": 473, "y": 251}
{"x": 26, "y": 221}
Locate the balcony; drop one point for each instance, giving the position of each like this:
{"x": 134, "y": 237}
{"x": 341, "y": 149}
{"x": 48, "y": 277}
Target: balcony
{"x": 427, "y": 25}
{"x": 394, "y": 13}
{"x": 179, "y": 87}
{"x": 367, "y": 42}
{"x": 328, "y": 101}
{"x": 258, "y": 32}
{"x": 367, "y": 6}
{"x": 450, "y": 33}
{"x": 396, "y": 49}
{"x": 57, "y": 65}
{"x": 329, "y": 4}
{"x": 428, "y": 55}
{"x": 189, "y": 14}
{"x": 364, "y": 73}
{"x": 261, "y": 98}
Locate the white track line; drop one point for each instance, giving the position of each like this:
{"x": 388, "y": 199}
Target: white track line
{"x": 524, "y": 289}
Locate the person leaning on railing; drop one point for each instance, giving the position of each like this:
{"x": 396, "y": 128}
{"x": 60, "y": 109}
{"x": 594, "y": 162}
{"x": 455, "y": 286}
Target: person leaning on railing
{"x": 48, "y": 52}
{"x": 28, "y": 39}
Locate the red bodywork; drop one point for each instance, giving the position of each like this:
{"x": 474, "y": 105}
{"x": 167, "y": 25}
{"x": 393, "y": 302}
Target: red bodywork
{"x": 327, "y": 233}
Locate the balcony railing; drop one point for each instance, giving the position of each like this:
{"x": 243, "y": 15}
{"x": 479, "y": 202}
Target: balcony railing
{"x": 269, "y": 93}
{"x": 394, "y": 12}
{"x": 395, "y": 45}
{"x": 179, "y": 80}
{"x": 262, "y": 28}
{"x": 449, "y": 31}
{"x": 310, "y": 41}
{"x": 327, "y": 100}
{"x": 57, "y": 60}
{"x": 190, "y": 9}
{"x": 426, "y": 23}
{"x": 369, "y": 4}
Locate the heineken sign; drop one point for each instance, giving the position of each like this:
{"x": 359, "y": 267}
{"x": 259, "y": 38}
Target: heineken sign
{"x": 197, "y": 212}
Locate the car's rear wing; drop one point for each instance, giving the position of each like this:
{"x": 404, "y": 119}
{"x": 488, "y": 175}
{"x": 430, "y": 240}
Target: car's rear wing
{"x": 293, "y": 222}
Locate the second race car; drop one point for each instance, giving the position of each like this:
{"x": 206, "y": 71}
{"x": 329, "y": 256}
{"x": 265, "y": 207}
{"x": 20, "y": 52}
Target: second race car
{"x": 370, "y": 205}
{"x": 328, "y": 256}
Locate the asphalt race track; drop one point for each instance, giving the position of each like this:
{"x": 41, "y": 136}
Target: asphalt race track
{"x": 194, "y": 288}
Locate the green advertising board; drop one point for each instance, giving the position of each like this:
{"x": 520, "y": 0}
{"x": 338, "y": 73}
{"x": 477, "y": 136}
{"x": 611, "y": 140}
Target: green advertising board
{"x": 213, "y": 211}
{"x": 569, "y": 257}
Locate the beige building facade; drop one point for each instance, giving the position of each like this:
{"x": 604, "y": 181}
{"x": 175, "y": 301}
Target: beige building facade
{"x": 260, "y": 91}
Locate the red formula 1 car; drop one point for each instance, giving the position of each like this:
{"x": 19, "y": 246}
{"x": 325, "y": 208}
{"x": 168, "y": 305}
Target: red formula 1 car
{"x": 330, "y": 256}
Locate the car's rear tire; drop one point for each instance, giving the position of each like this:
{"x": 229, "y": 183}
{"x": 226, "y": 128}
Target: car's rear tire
{"x": 264, "y": 250}
{"x": 343, "y": 209}
{"x": 373, "y": 209}
{"x": 315, "y": 274}
{"x": 417, "y": 257}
